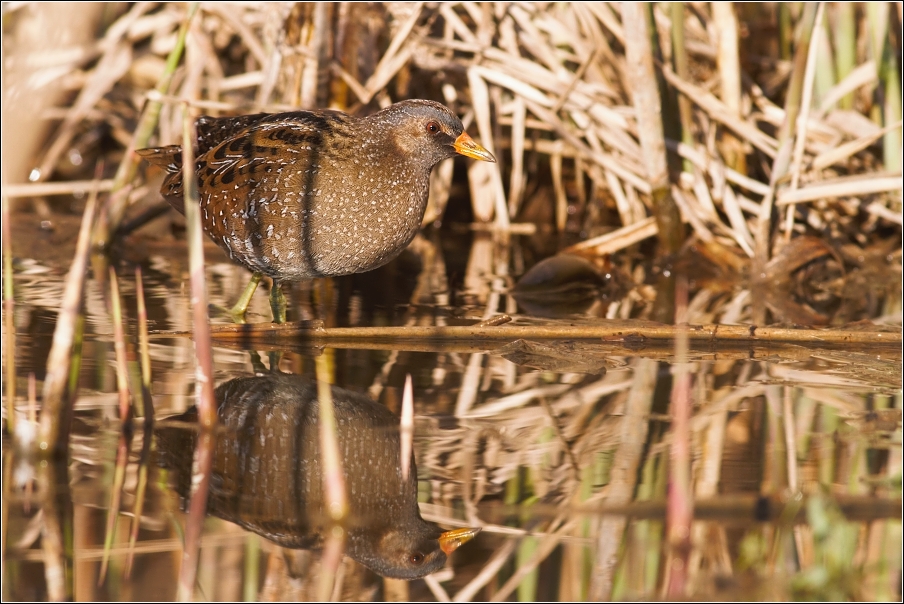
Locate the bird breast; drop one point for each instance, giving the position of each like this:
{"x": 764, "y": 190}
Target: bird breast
{"x": 308, "y": 214}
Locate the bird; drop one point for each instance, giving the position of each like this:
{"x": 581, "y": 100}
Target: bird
{"x": 318, "y": 193}
{"x": 268, "y": 473}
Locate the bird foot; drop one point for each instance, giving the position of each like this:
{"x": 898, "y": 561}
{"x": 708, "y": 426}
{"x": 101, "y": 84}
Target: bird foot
{"x": 234, "y": 314}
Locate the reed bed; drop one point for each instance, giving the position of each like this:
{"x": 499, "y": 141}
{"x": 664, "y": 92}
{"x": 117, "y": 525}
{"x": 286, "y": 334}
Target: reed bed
{"x": 548, "y": 85}
{"x": 760, "y": 142}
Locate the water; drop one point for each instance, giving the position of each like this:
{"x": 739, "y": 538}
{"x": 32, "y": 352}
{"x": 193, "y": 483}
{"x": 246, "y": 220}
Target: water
{"x": 558, "y": 449}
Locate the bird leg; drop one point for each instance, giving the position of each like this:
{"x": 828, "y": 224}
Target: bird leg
{"x": 237, "y": 312}
{"x": 277, "y": 302}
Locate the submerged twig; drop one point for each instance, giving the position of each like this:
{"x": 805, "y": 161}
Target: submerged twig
{"x": 613, "y": 331}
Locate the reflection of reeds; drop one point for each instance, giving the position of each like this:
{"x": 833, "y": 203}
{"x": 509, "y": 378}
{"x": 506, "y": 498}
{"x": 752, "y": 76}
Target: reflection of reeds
{"x": 335, "y": 499}
{"x": 552, "y": 84}
{"x": 53, "y": 433}
{"x": 549, "y": 80}
{"x": 9, "y": 320}
{"x": 119, "y": 349}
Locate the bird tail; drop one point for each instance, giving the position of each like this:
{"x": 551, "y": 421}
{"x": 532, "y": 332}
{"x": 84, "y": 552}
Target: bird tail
{"x": 169, "y": 158}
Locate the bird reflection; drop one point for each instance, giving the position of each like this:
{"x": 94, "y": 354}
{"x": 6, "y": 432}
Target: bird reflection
{"x": 267, "y": 474}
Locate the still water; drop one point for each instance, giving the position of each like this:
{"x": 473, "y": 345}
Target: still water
{"x": 557, "y": 449}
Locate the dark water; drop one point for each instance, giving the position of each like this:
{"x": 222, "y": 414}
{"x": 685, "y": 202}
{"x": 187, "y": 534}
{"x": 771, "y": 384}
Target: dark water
{"x": 558, "y": 450}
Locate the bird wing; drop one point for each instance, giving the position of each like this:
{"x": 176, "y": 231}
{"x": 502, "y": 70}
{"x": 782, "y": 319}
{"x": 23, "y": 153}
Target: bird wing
{"x": 265, "y": 160}
{"x": 212, "y": 131}
{"x": 169, "y": 158}
{"x": 254, "y": 154}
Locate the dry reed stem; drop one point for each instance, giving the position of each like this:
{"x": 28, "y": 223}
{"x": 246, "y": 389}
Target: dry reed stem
{"x": 706, "y": 485}
{"x": 207, "y": 410}
{"x": 201, "y": 472}
{"x": 40, "y": 189}
{"x": 234, "y": 20}
{"x": 571, "y": 125}
{"x": 717, "y": 111}
{"x": 148, "y": 412}
{"x": 125, "y": 418}
{"x": 647, "y": 103}
{"x": 661, "y": 350}
{"x": 140, "y": 490}
{"x": 728, "y": 63}
{"x": 740, "y": 509}
{"x": 851, "y": 186}
{"x": 739, "y": 229}
{"x": 680, "y": 506}
{"x": 802, "y": 119}
{"x": 519, "y": 136}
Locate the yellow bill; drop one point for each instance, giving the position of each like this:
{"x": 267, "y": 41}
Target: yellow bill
{"x": 451, "y": 540}
{"x": 465, "y": 145}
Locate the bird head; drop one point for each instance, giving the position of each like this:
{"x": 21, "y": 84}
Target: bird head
{"x": 429, "y": 132}
{"x": 408, "y": 553}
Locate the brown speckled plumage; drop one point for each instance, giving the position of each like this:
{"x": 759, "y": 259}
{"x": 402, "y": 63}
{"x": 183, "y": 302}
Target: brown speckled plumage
{"x": 316, "y": 193}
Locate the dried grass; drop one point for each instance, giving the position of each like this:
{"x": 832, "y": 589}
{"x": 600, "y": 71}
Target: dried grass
{"x": 546, "y": 80}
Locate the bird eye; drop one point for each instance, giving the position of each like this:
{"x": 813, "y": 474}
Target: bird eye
{"x": 416, "y": 558}
{"x": 432, "y": 127}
